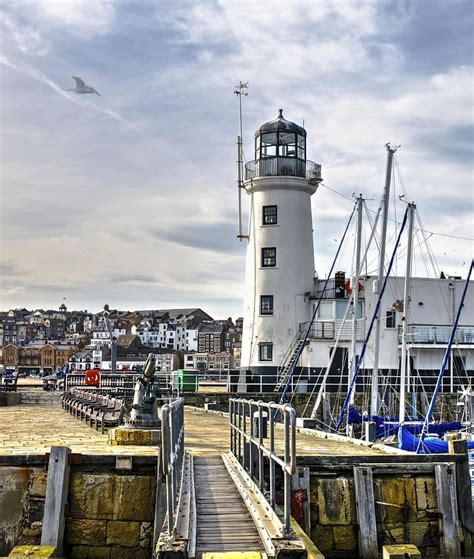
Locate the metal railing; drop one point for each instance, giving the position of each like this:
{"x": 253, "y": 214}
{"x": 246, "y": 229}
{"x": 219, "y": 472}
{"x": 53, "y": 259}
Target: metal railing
{"x": 283, "y": 166}
{"x": 329, "y": 329}
{"x": 251, "y": 442}
{"x": 437, "y": 334}
{"x": 172, "y": 449}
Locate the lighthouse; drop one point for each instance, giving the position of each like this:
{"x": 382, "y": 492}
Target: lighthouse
{"x": 279, "y": 278}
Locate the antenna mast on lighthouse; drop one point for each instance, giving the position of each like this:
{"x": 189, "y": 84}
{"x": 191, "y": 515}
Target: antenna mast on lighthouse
{"x": 239, "y": 91}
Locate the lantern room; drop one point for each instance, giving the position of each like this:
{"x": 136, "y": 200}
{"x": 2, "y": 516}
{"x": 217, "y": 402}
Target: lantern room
{"x": 280, "y": 150}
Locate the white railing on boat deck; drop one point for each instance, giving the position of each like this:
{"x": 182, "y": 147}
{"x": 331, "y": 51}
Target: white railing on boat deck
{"x": 329, "y": 329}
{"x": 437, "y": 334}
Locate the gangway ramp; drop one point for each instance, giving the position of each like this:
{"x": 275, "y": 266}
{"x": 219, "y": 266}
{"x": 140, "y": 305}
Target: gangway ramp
{"x": 218, "y": 504}
{"x": 223, "y": 521}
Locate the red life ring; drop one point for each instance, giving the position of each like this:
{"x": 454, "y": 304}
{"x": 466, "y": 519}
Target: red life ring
{"x": 92, "y": 377}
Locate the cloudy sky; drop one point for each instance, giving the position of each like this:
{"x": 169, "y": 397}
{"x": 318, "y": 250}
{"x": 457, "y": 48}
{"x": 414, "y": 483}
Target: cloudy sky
{"x": 130, "y": 199}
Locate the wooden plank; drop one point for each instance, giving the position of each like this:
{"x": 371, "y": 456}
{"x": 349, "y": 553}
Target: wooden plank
{"x": 348, "y": 461}
{"x": 463, "y": 486}
{"x": 223, "y": 521}
{"x": 448, "y": 507}
{"x": 365, "y": 502}
{"x": 56, "y": 497}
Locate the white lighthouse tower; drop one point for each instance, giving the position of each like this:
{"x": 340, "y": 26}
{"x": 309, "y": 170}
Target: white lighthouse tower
{"x": 280, "y": 259}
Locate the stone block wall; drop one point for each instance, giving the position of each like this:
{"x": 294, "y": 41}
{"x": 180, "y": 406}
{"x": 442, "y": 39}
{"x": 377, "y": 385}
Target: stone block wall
{"x": 409, "y": 515}
{"x": 109, "y": 512}
{"x": 110, "y": 515}
{"x": 22, "y": 491}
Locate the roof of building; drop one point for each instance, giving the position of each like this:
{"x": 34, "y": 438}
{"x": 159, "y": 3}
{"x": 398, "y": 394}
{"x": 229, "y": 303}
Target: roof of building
{"x": 82, "y": 354}
{"x": 127, "y": 340}
{"x": 210, "y": 327}
{"x": 280, "y": 124}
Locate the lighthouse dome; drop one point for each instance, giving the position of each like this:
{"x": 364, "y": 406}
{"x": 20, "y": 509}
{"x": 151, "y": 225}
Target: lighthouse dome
{"x": 280, "y": 124}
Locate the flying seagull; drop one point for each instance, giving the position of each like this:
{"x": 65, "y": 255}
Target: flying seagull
{"x": 81, "y": 87}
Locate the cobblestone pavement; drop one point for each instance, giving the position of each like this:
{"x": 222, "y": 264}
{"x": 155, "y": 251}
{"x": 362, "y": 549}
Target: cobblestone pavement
{"x": 33, "y": 429}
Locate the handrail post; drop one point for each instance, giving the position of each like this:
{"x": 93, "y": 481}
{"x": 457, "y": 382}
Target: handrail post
{"x": 272, "y": 452}
{"x": 286, "y": 474}
{"x": 246, "y": 432}
{"x": 172, "y": 427}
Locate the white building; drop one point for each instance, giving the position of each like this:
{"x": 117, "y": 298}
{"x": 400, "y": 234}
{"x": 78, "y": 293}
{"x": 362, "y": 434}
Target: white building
{"x": 433, "y": 306}
{"x": 191, "y": 339}
{"x": 280, "y": 257}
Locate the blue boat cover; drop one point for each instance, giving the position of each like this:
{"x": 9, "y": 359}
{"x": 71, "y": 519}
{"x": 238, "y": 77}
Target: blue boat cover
{"x": 387, "y": 426}
{"x": 429, "y": 445}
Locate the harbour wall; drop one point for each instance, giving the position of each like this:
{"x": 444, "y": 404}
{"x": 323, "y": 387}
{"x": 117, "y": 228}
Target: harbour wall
{"x": 109, "y": 513}
{"x": 111, "y": 506}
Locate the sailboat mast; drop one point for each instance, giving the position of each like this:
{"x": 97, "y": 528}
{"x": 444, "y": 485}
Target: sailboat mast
{"x": 355, "y": 302}
{"x": 374, "y": 397}
{"x": 406, "y": 311}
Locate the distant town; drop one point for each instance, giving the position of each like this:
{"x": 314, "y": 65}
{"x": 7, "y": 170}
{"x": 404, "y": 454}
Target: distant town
{"x": 42, "y": 342}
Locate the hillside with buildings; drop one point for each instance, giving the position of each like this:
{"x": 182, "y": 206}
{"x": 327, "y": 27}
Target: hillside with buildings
{"x": 40, "y": 342}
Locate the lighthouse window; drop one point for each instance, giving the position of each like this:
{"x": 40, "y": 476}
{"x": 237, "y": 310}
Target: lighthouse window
{"x": 269, "y": 143}
{"x": 301, "y": 147}
{"x": 268, "y": 257}
{"x": 266, "y": 304}
{"x": 269, "y": 215}
{"x": 287, "y": 145}
{"x": 265, "y": 352}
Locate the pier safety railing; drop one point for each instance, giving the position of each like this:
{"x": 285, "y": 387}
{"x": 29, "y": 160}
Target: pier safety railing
{"x": 172, "y": 449}
{"x": 252, "y": 441}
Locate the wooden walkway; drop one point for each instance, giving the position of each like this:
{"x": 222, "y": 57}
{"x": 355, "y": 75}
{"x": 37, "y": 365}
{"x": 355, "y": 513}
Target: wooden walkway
{"x": 223, "y": 521}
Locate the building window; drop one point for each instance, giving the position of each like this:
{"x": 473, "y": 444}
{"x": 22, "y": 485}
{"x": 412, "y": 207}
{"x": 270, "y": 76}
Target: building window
{"x": 266, "y": 304}
{"x": 390, "y": 319}
{"x": 268, "y": 257}
{"x": 265, "y": 352}
{"x": 326, "y": 310}
{"x": 269, "y": 215}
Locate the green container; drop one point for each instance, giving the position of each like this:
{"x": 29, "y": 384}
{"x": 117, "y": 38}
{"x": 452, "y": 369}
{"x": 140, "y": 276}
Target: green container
{"x": 187, "y": 380}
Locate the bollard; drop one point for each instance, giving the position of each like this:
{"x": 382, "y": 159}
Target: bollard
{"x": 256, "y": 427}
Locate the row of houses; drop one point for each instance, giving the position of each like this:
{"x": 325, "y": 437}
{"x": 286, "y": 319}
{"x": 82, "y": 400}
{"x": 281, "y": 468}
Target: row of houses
{"x": 181, "y": 329}
{"x": 131, "y": 353}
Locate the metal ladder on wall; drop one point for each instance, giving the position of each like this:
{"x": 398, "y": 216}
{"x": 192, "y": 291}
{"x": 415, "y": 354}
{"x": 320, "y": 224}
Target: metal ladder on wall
{"x": 220, "y": 504}
{"x": 289, "y": 362}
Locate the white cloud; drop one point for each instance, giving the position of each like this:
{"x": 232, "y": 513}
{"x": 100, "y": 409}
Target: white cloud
{"x": 34, "y": 25}
{"x": 28, "y": 39}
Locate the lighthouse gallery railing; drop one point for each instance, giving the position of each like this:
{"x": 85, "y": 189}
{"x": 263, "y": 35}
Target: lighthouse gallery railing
{"x": 282, "y": 166}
